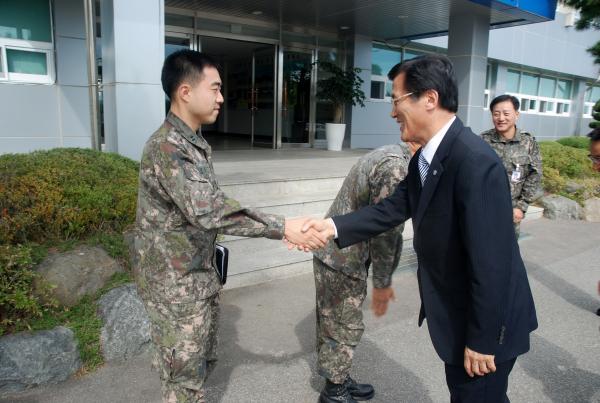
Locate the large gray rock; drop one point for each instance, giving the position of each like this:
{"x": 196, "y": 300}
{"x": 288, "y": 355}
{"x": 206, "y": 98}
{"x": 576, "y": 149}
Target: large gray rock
{"x": 31, "y": 359}
{"x": 126, "y": 330}
{"x": 561, "y": 208}
{"x": 76, "y": 273}
{"x": 591, "y": 209}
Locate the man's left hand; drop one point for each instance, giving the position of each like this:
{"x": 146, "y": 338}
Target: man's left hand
{"x": 478, "y": 364}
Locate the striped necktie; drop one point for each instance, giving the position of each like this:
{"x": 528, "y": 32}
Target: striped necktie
{"x": 423, "y": 168}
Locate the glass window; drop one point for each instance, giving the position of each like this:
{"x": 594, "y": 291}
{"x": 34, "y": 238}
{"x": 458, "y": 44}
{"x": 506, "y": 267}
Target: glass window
{"x": 26, "y": 62}
{"x": 383, "y": 59}
{"x": 595, "y": 94}
{"x": 388, "y": 89}
{"x": 547, "y": 87}
{"x": 488, "y": 78}
{"x": 27, "y": 20}
{"x": 563, "y": 90}
{"x": 2, "y": 73}
{"x": 411, "y": 54}
{"x": 524, "y": 104}
{"x": 512, "y": 81}
{"x": 542, "y": 106}
{"x": 529, "y": 84}
{"x": 550, "y": 107}
{"x": 377, "y": 88}
{"x": 179, "y": 20}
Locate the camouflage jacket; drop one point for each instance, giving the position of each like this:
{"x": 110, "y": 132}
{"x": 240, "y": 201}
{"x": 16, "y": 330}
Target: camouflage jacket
{"x": 523, "y": 163}
{"x": 371, "y": 179}
{"x": 180, "y": 210}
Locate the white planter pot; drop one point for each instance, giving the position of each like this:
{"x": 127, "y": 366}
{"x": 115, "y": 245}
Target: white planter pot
{"x": 335, "y": 135}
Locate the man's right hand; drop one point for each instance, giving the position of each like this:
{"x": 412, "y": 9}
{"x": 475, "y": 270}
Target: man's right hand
{"x": 380, "y": 300}
{"x": 306, "y": 240}
{"x": 325, "y": 227}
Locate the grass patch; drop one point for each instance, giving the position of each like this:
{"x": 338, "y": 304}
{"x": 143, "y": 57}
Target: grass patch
{"x": 83, "y": 320}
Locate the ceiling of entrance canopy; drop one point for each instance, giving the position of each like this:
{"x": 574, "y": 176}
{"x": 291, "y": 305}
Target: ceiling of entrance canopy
{"x": 379, "y": 19}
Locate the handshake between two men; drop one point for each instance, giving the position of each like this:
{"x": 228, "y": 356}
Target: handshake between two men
{"x": 307, "y": 234}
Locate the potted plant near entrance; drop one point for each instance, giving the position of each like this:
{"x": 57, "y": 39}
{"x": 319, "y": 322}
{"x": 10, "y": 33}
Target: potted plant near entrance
{"x": 340, "y": 87}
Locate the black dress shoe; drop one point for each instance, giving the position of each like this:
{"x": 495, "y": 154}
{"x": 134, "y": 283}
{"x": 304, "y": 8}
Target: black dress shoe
{"x": 335, "y": 393}
{"x": 359, "y": 391}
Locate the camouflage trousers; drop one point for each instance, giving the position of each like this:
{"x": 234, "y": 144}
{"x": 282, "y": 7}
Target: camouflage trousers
{"x": 339, "y": 320}
{"x": 185, "y": 346}
{"x": 517, "y": 226}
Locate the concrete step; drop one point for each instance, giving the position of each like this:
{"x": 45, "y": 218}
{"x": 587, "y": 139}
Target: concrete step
{"x": 254, "y": 254}
{"x": 280, "y": 192}
{"x": 302, "y": 266}
{"x": 291, "y": 199}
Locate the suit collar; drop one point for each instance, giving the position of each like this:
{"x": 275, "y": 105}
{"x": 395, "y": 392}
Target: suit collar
{"x": 432, "y": 145}
{"x": 436, "y": 169}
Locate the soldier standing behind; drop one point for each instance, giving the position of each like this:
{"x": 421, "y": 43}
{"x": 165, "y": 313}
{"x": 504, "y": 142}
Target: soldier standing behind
{"x": 520, "y": 154}
{"x": 179, "y": 213}
{"x": 341, "y": 274}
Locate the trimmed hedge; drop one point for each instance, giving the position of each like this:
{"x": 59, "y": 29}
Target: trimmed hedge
{"x": 575, "y": 142}
{"x": 570, "y": 162}
{"x": 567, "y": 163}
{"x": 65, "y": 194}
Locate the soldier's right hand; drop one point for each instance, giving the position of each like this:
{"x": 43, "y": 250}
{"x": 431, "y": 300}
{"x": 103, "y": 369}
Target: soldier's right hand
{"x": 380, "y": 300}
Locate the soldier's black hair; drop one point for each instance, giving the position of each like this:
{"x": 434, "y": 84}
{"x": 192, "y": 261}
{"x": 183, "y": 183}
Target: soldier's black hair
{"x": 504, "y": 98}
{"x": 184, "y": 66}
{"x": 429, "y": 72}
{"x": 594, "y": 135}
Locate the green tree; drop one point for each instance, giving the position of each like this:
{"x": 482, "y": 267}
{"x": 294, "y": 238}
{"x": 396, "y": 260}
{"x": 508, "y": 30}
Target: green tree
{"x": 595, "y": 123}
{"x": 589, "y": 17}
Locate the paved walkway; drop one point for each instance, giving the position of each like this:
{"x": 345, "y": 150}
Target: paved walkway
{"x": 268, "y": 337}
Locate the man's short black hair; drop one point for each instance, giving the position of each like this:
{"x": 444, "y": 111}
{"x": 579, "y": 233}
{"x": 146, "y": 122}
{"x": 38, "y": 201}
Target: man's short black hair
{"x": 504, "y": 98}
{"x": 429, "y": 72}
{"x": 594, "y": 135}
{"x": 185, "y": 65}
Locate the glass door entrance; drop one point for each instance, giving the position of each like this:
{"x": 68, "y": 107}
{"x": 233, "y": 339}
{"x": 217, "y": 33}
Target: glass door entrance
{"x": 297, "y": 102}
{"x": 247, "y": 118}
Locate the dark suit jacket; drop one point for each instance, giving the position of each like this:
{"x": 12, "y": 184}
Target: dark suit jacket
{"x": 473, "y": 284}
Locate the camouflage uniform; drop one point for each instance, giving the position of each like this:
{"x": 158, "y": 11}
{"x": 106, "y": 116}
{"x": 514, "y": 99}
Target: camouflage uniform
{"x": 341, "y": 274}
{"x": 523, "y": 163}
{"x": 179, "y": 213}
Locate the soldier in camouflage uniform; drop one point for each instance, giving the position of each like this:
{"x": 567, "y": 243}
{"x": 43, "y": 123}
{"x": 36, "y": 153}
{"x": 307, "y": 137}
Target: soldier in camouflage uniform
{"x": 341, "y": 274}
{"x": 180, "y": 211}
{"x": 520, "y": 154}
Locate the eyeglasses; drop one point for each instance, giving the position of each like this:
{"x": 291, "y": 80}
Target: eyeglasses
{"x": 395, "y": 101}
{"x": 594, "y": 158}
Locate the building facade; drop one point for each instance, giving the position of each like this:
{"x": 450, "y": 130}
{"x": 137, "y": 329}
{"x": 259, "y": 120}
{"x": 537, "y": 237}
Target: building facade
{"x": 85, "y": 73}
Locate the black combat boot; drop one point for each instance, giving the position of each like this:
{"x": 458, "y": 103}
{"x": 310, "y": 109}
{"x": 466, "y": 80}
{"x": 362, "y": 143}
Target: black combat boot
{"x": 359, "y": 391}
{"x": 335, "y": 393}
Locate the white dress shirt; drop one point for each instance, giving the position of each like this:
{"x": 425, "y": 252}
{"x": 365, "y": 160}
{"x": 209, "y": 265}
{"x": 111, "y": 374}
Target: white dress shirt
{"x": 432, "y": 145}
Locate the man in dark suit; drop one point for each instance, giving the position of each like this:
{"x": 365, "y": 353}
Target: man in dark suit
{"x": 472, "y": 281}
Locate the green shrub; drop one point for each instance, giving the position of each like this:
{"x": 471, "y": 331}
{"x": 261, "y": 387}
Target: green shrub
{"x": 575, "y": 142}
{"x": 65, "y": 194}
{"x": 18, "y": 304}
{"x": 552, "y": 182}
{"x": 568, "y": 161}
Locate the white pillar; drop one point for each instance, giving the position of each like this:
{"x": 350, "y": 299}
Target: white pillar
{"x": 132, "y": 55}
{"x": 468, "y": 36}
